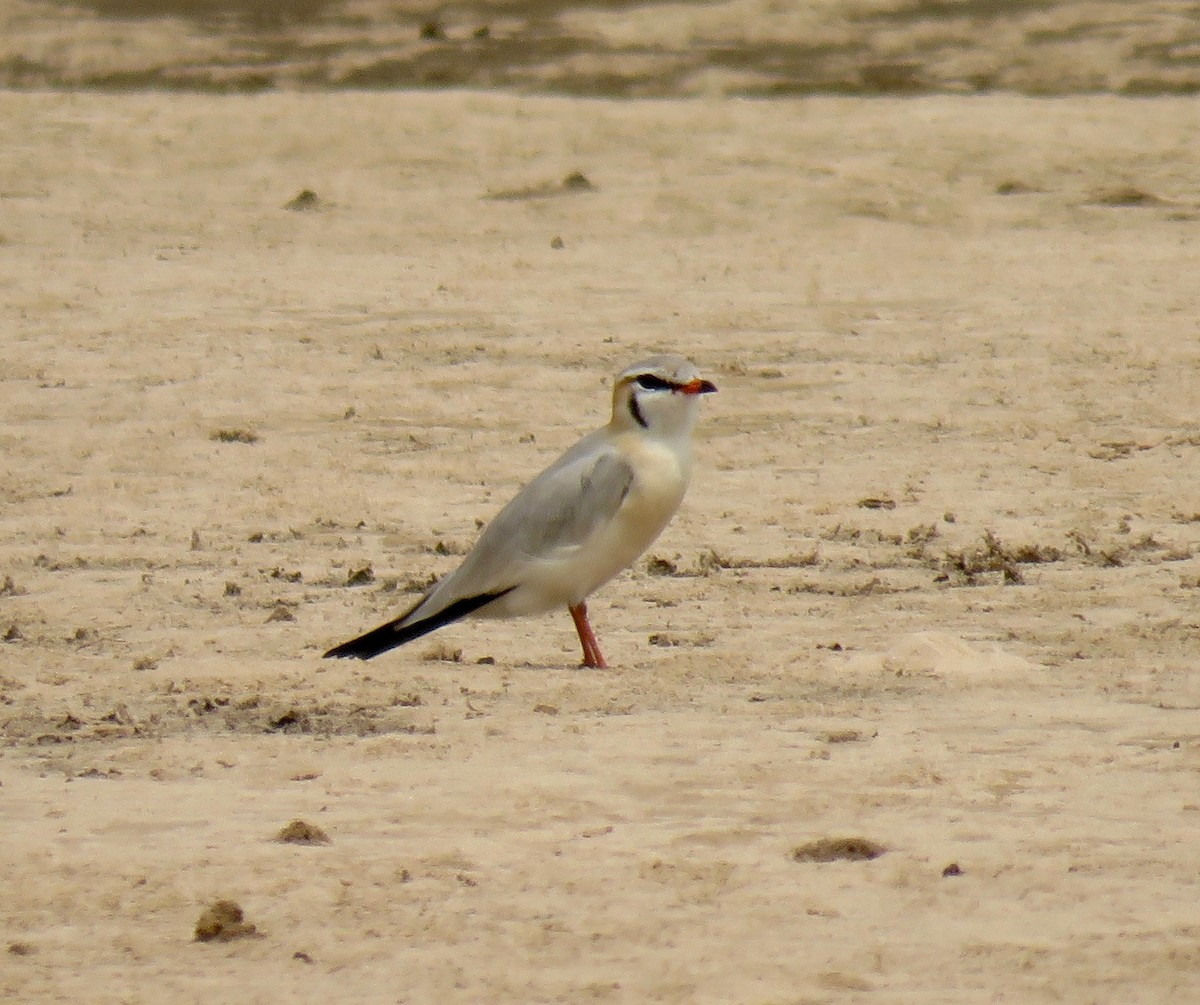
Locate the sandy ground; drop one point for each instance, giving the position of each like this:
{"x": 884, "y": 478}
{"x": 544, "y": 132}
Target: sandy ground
{"x": 608, "y": 48}
{"x": 935, "y": 585}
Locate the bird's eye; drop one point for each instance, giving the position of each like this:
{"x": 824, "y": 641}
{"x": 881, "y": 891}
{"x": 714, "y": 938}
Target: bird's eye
{"x": 649, "y": 382}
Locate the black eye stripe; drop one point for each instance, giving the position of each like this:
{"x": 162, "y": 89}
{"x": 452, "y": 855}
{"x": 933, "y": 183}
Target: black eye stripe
{"x": 649, "y": 382}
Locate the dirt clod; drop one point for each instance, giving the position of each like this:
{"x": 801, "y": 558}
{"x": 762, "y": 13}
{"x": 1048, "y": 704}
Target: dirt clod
{"x": 223, "y": 921}
{"x": 305, "y": 201}
{"x": 838, "y": 849}
{"x": 360, "y": 577}
{"x": 234, "y": 436}
{"x": 1127, "y": 195}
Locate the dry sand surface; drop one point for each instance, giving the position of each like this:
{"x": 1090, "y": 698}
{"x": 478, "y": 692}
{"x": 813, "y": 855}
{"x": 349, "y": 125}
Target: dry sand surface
{"x": 609, "y": 47}
{"x": 936, "y": 586}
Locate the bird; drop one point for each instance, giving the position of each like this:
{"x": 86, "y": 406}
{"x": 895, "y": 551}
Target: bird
{"x": 582, "y": 521}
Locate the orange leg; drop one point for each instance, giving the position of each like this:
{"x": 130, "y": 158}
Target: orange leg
{"x": 592, "y": 657}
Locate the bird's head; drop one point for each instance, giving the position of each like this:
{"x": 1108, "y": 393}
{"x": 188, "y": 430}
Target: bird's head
{"x": 659, "y": 395}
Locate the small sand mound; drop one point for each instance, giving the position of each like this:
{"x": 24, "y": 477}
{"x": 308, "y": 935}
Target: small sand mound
{"x": 936, "y": 654}
{"x": 301, "y": 832}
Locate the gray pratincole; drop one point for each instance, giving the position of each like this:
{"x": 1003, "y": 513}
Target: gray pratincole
{"x": 584, "y": 519}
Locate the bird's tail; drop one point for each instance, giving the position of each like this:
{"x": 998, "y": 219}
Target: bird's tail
{"x": 397, "y": 632}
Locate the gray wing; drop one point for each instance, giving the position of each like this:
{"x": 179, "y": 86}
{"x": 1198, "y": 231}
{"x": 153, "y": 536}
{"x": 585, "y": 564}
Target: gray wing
{"x": 558, "y": 512}
{"x": 552, "y": 516}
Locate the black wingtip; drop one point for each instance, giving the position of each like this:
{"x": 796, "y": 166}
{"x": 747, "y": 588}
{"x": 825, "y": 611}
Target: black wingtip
{"x": 379, "y": 640}
{"x": 395, "y": 633}
{"x": 353, "y": 650}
